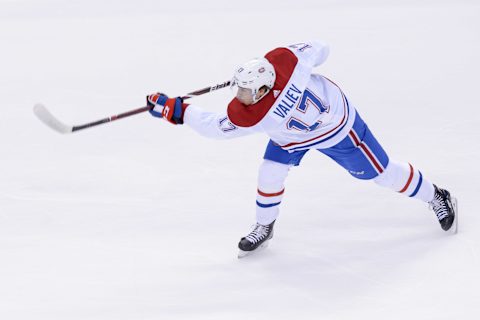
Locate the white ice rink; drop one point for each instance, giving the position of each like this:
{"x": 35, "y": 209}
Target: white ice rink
{"x": 139, "y": 219}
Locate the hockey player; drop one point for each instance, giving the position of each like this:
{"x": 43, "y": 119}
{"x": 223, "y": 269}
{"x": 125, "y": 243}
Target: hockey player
{"x": 300, "y": 110}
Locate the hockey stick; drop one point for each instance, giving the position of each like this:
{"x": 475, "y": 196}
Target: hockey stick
{"x": 47, "y": 118}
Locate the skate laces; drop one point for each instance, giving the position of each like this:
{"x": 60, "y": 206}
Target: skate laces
{"x": 258, "y": 233}
{"x": 439, "y": 206}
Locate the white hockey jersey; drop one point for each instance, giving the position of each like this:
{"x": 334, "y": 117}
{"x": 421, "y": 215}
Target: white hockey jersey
{"x": 302, "y": 111}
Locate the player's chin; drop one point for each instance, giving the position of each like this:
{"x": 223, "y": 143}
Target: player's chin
{"x": 245, "y": 102}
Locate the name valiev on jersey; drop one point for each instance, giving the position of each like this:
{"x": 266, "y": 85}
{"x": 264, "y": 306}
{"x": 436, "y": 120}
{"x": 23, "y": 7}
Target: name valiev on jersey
{"x": 301, "y": 111}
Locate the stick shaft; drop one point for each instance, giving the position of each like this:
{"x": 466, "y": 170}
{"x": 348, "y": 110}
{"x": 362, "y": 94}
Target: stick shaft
{"x": 110, "y": 119}
{"x": 146, "y": 108}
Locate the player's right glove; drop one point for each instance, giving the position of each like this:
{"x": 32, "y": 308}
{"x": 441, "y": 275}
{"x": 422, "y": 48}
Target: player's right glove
{"x": 171, "y": 109}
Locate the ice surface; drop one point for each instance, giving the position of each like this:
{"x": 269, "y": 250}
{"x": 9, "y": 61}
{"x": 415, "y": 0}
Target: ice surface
{"x": 140, "y": 220}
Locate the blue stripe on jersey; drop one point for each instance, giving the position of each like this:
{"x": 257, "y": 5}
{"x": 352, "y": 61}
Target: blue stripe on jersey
{"x": 315, "y": 143}
{"x": 418, "y": 185}
{"x": 261, "y": 205}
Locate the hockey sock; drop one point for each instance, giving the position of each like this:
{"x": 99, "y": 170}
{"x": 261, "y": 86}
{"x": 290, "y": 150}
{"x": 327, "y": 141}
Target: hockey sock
{"x": 405, "y": 179}
{"x": 270, "y": 190}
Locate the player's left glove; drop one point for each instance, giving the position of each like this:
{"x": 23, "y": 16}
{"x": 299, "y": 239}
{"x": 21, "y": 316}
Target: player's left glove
{"x": 171, "y": 109}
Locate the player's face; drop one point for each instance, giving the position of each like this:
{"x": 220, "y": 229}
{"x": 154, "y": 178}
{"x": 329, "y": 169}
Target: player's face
{"x": 245, "y": 96}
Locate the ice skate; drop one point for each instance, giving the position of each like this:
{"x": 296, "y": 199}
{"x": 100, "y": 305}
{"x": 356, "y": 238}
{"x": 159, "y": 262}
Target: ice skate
{"x": 445, "y": 208}
{"x": 256, "y": 240}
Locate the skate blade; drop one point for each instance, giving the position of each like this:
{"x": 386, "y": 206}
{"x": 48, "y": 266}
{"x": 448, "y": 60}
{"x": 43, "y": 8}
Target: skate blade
{"x": 243, "y": 254}
{"x": 454, "y": 228}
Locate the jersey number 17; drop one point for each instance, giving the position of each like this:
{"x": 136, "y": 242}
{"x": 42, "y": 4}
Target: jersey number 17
{"x": 308, "y": 100}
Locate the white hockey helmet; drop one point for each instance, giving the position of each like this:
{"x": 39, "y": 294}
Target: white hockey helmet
{"x": 253, "y": 75}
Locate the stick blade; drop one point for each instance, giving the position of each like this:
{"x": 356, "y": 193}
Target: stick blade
{"x": 47, "y": 118}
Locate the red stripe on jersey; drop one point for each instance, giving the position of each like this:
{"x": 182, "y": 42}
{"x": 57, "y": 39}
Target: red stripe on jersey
{"x": 409, "y": 180}
{"x": 344, "y": 119}
{"x": 284, "y": 62}
{"x": 263, "y": 194}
